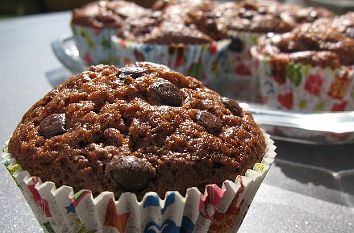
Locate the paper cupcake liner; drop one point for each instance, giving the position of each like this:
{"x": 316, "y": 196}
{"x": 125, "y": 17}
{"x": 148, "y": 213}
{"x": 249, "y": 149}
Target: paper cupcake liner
{"x": 237, "y": 59}
{"x": 236, "y": 67}
{"x": 306, "y": 88}
{"x": 94, "y": 45}
{"x": 217, "y": 210}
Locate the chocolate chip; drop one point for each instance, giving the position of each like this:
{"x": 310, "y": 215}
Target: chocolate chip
{"x": 350, "y": 32}
{"x": 131, "y": 173}
{"x": 212, "y": 123}
{"x": 52, "y": 125}
{"x": 232, "y": 105}
{"x": 236, "y": 45}
{"x": 132, "y": 71}
{"x": 166, "y": 93}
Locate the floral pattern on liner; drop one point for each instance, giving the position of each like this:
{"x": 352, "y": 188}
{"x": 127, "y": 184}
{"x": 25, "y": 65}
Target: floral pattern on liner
{"x": 304, "y": 87}
{"x": 225, "y": 65}
{"x": 236, "y": 67}
{"x": 60, "y": 210}
{"x": 95, "y": 45}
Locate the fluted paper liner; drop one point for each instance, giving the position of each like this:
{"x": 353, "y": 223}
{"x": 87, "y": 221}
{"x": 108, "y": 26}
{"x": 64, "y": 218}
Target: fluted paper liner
{"x": 306, "y": 88}
{"x": 236, "y": 67}
{"x": 60, "y": 210}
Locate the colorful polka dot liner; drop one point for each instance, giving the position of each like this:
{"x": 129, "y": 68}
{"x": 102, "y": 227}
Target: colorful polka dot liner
{"x": 218, "y": 209}
{"x": 301, "y": 87}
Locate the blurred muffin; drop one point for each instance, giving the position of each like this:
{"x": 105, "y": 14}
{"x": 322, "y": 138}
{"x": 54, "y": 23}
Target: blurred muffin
{"x": 245, "y": 22}
{"x": 309, "y": 68}
{"x": 121, "y": 33}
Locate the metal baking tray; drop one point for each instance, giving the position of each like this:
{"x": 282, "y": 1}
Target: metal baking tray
{"x": 313, "y": 128}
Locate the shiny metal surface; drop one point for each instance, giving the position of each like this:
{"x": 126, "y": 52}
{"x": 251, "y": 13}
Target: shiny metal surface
{"x": 310, "y": 188}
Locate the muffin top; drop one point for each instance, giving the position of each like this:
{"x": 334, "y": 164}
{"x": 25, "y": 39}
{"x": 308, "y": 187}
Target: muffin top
{"x": 166, "y": 21}
{"x": 265, "y": 16}
{"x": 325, "y": 42}
{"x": 138, "y": 128}
{"x": 192, "y": 22}
{"x": 126, "y": 18}
{"x": 110, "y": 14}
{"x": 177, "y": 25}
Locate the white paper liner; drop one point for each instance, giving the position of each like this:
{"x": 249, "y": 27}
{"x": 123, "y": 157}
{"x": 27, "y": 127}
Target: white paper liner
{"x": 60, "y": 210}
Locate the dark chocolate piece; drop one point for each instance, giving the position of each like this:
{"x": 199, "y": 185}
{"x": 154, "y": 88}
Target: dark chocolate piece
{"x": 132, "y": 71}
{"x": 52, "y": 125}
{"x": 212, "y": 123}
{"x": 132, "y": 173}
{"x": 232, "y": 105}
{"x": 166, "y": 93}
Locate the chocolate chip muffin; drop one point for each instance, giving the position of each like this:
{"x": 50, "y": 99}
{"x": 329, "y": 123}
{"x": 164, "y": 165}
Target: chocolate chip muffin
{"x": 265, "y": 16}
{"x": 123, "y": 17}
{"x": 136, "y": 129}
{"x": 325, "y": 43}
{"x": 310, "y": 68}
{"x": 165, "y": 23}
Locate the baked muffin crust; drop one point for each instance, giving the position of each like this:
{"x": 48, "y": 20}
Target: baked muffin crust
{"x": 139, "y": 128}
{"x": 325, "y": 42}
{"x": 192, "y": 22}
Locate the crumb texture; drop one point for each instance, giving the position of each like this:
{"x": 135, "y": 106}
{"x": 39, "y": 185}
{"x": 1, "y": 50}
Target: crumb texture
{"x": 139, "y": 128}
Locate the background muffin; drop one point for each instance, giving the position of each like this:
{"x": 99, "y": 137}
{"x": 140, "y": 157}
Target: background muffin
{"x": 168, "y": 33}
{"x": 138, "y": 129}
{"x": 309, "y": 68}
{"x": 203, "y": 38}
{"x": 95, "y": 23}
{"x": 245, "y": 22}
